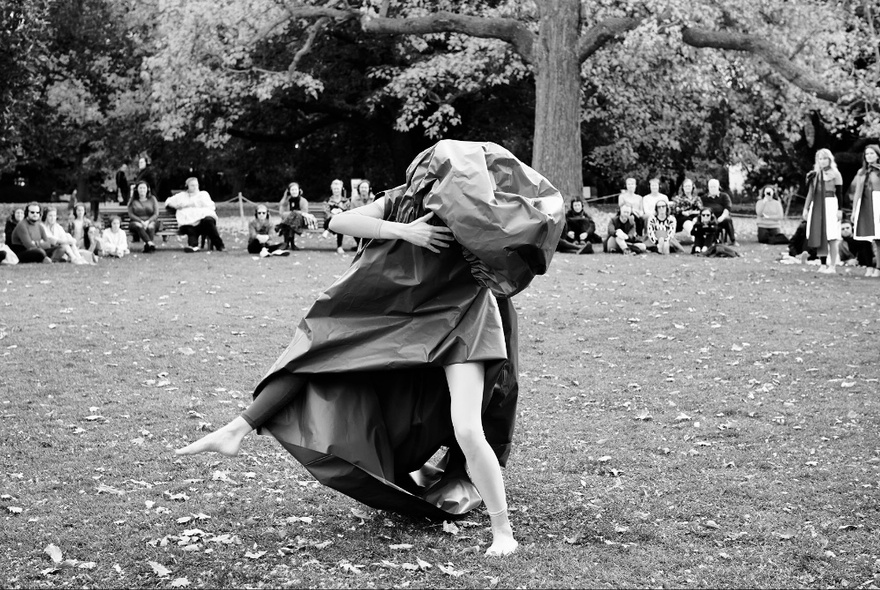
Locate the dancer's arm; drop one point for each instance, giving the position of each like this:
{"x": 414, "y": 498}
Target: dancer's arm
{"x": 367, "y": 222}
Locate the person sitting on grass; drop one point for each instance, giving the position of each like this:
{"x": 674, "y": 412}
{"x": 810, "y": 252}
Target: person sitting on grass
{"x": 30, "y": 241}
{"x": 66, "y": 243}
{"x": 622, "y": 235}
{"x": 661, "y": 230}
{"x": 580, "y": 228}
{"x": 196, "y": 216}
{"x": 11, "y": 222}
{"x": 705, "y": 232}
{"x": 260, "y": 231}
{"x": 115, "y": 242}
{"x": 855, "y": 252}
{"x": 295, "y": 216}
{"x": 93, "y": 245}
{"x": 770, "y": 214}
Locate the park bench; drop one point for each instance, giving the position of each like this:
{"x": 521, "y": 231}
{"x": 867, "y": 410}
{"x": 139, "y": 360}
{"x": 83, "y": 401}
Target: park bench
{"x": 167, "y": 218}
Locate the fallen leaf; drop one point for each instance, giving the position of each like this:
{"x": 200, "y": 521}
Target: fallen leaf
{"x": 254, "y": 554}
{"x": 682, "y": 417}
{"x": 179, "y": 583}
{"x": 450, "y": 527}
{"x": 423, "y": 565}
{"x": 449, "y": 570}
{"x": 105, "y": 489}
{"x": 351, "y": 568}
{"x": 54, "y": 552}
{"x": 322, "y": 545}
{"x": 400, "y": 547}
{"x": 357, "y": 513}
{"x": 711, "y": 524}
{"x": 159, "y": 569}
{"x": 644, "y": 415}
{"x": 14, "y": 509}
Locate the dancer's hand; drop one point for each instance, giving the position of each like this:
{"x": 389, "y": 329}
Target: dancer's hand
{"x": 425, "y": 235}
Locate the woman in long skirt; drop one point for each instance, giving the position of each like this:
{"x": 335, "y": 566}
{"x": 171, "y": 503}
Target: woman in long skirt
{"x": 866, "y": 204}
{"x": 414, "y": 347}
{"x": 822, "y": 209}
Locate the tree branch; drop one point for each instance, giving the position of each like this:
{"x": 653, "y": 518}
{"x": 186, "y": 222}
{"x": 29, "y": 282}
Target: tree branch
{"x": 285, "y": 138}
{"x": 603, "y": 32}
{"x": 505, "y": 29}
{"x": 314, "y": 29}
{"x": 795, "y": 74}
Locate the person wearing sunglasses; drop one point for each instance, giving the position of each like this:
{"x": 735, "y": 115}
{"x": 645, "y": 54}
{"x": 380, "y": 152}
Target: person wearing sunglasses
{"x": 769, "y": 217}
{"x": 30, "y": 241}
{"x": 260, "y": 232}
{"x": 705, "y": 231}
{"x": 721, "y": 205}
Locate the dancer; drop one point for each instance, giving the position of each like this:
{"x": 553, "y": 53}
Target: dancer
{"x": 866, "y": 204}
{"x": 822, "y": 209}
{"x": 360, "y": 398}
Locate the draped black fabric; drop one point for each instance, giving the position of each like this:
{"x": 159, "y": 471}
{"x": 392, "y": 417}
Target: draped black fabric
{"x": 373, "y": 346}
{"x": 818, "y": 236}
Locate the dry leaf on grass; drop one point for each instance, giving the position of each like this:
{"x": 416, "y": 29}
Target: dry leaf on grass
{"x": 449, "y": 570}
{"x": 159, "y": 569}
{"x": 450, "y": 527}
{"x": 179, "y": 583}
{"x": 54, "y": 552}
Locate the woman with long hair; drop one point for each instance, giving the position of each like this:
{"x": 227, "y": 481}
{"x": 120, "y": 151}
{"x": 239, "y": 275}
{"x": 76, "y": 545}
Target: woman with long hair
{"x": 822, "y": 209}
{"x": 143, "y": 215}
{"x": 686, "y": 206}
{"x": 866, "y": 204}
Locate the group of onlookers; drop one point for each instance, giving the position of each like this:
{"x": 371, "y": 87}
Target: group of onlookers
{"x": 34, "y": 234}
{"x": 656, "y": 223}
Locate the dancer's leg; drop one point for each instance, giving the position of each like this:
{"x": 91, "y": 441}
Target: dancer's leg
{"x": 466, "y": 390}
{"x": 278, "y": 393}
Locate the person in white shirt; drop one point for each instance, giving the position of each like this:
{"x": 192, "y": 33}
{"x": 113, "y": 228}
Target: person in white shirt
{"x": 114, "y": 240}
{"x": 649, "y": 201}
{"x": 196, "y": 216}
{"x": 65, "y": 243}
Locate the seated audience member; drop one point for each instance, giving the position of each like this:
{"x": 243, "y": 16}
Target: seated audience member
{"x": 7, "y": 256}
{"x": 66, "y": 250}
{"x": 622, "y": 236}
{"x": 78, "y": 225}
{"x": 797, "y": 245}
{"x": 93, "y": 245}
{"x": 661, "y": 231}
{"x": 196, "y": 216}
{"x": 336, "y": 204}
{"x": 260, "y": 231}
{"x": 705, "y": 232}
{"x": 855, "y": 252}
{"x": 686, "y": 206}
{"x": 143, "y": 215}
{"x": 580, "y": 227}
{"x": 635, "y": 202}
{"x": 721, "y": 205}
{"x": 295, "y": 216}
{"x": 769, "y": 217}
{"x": 30, "y": 242}
{"x": 649, "y": 201}
{"x": 114, "y": 240}
{"x": 11, "y": 222}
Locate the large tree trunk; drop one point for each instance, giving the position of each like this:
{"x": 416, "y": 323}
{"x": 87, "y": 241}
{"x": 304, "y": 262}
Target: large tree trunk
{"x": 557, "y": 152}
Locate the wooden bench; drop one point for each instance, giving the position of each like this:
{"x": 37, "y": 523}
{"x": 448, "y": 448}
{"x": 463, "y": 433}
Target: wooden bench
{"x": 167, "y": 218}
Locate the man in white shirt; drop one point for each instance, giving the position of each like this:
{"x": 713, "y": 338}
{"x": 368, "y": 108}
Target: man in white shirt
{"x": 196, "y": 216}
{"x": 649, "y": 201}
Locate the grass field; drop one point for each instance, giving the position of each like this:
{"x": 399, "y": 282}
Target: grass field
{"x": 683, "y": 422}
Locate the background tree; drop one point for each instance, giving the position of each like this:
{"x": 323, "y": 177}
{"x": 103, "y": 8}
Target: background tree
{"x": 469, "y": 45}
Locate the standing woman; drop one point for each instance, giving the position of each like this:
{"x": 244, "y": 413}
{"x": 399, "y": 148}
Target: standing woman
{"x": 148, "y": 173}
{"x": 866, "y": 204}
{"x": 143, "y": 215}
{"x": 413, "y": 348}
{"x": 822, "y": 209}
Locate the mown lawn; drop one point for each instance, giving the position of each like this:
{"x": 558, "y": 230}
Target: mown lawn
{"x": 683, "y": 422}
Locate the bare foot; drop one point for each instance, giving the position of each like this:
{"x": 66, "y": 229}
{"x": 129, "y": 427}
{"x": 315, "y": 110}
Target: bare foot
{"x": 503, "y": 542}
{"x": 226, "y": 441}
{"x": 501, "y": 546}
